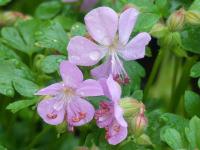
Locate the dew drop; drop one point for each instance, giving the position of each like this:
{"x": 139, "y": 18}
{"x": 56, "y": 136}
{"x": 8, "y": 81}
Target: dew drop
{"x": 94, "y": 55}
{"x": 74, "y": 58}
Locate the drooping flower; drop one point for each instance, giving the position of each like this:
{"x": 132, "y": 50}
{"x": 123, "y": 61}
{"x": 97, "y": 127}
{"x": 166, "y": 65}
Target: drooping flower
{"x": 111, "y": 33}
{"x": 67, "y": 98}
{"x": 110, "y": 114}
{"x": 86, "y": 5}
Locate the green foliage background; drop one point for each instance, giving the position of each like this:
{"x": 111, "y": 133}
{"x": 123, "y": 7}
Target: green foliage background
{"x": 33, "y": 41}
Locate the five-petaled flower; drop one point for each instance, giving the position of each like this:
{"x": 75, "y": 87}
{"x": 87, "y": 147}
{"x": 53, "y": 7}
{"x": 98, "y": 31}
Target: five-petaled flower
{"x": 110, "y": 114}
{"x": 86, "y": 5}
{"x": 111, "y": 35}
{"x": 66, "y": 101}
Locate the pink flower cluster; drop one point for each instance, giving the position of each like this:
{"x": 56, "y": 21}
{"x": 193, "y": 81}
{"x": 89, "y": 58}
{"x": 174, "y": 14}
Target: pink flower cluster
{"x": 66, "y": 101}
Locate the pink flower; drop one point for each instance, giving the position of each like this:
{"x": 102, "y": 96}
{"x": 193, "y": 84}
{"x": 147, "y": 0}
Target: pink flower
{"x": 86, "y": 5}
{"x": 110, "y": 114}
{"x": 111, "y": 34}
{"x": 66, "y": 102}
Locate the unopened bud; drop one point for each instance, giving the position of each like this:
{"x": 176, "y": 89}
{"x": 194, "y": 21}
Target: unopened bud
{"x": 193, "y": 17}
{"x": 130, "y": 106}
{"x": 171, "y": 40}
{"x": 159, "y": 30}
{"x": 139, "y": 124}
{"x": 11, "y": 17}
{"x": 176, "y": 20}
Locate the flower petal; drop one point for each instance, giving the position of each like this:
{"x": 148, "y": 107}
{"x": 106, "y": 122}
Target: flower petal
{"x": 89, "y": 87}
{"x": 102, "y": 71}
{"x": 104, "y": 115}
{"x": 103, "y": 82}
{"x": 88, "y": 5}
{"x": 102, "y": 24}
{"x": 135, "y": 49}
{"x": 71, "y": 74}
{"x": 48, "y": 113}
{"x": 127, "y": 21}
{"x": 116, "y": 133}
{"x": 114, "y": 89}
{"x": 118, "y": 113}
{"x": 79, "y": 112}
{"x": 53, "y": 89}
{"x": 82, "y": 51}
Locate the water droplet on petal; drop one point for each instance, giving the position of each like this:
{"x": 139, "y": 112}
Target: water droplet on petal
{"x": 74, "y": 58}
{"x": 94, "y": 55}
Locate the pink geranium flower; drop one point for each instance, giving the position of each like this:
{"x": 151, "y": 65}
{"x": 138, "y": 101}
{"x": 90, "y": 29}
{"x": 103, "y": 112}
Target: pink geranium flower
{"x": 67, "y": 98}
{"x": 111, "y": 34}
{"x": 86, "y": 5}
{"x": 110, "y": 114}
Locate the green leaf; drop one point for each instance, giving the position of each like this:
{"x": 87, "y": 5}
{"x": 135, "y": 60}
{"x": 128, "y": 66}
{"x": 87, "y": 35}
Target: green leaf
{"x": 4, "y": 2}
{"x": 172, "y": 138}
{"x": 138, "y": 94}
{"x": 22, "y": 37}
{"x": 48, "y": 10}
{"x": 195, "y": 71}
{"x": 144, "y": 5}
{"x": 133, "y": 68}
{"x": 10, "y": 70}
{"x": 66, "y": 22}
{"x": 195, "y": 5}
{"x": 78, "y": 29}
{"x": 192, "y": 103}
{"x": 146, "y": 21}
{"x": 163, "y": 7}
{"x": 190, "y": 40}
{"x": 135, "y": 71}
{"x": 53, "y": 36}
{"x": 174, "y": 121}
{"x": 6, "y": 76}
{"x": 192, "y": 133}
{"x": 51, "y": 63}
{"x": 21, "y": 104}
{"x": 199, "y": 82}
{"x": 25, "y": 87}
{"x": 7, "y": 53}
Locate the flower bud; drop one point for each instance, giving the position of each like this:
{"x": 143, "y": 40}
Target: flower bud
{"x": 176, "y": 20}
{"x": 159, "y": 30}
{"x": 130, "y": 106}
{"x": 10, "y": 17}
{"x": 192, "y": 17}
{"x": 139, "y": 124}
{"x": 171, "y": 40}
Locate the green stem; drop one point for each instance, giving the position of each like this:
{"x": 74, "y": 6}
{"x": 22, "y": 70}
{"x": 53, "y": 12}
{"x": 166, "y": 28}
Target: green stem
{"x": 153, "y": 72}
{"x": 182, "y": 84}
{"x": 37, "y": 137}
{"x": 175, "y": 74}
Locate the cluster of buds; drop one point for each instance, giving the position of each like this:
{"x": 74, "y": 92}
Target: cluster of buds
{"x": 134, "y": 111}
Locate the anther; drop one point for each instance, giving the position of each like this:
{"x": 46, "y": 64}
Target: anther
{"x": 76, "y": 119}
{"x": 52, "y": 116}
